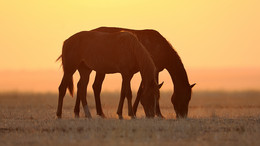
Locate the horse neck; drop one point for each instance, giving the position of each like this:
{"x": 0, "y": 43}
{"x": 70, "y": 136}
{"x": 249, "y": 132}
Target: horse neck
{"x": 146, "y": 65}
{"x": 147, "y": 70}
{"x": 148, "y": 76}
{"x": 178, "y": 73}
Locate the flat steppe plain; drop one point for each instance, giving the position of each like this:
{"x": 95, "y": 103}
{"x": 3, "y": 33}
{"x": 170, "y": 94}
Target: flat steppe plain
{"x": 215, "y": 118}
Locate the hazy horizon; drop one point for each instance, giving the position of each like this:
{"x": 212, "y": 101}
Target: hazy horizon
{"x": 207, "y": 79}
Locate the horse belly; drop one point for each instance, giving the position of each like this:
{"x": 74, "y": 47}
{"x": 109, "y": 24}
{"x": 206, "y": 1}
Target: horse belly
{"x": 109, "y": 59}
{"x": 103, "y": 65}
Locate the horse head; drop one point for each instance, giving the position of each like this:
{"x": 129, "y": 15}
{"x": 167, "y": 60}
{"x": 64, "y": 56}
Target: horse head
{"x": 150, "y": 97}
{"x": 180, "y": 100}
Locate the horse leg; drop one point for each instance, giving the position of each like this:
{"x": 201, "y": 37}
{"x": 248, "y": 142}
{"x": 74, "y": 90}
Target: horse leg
{"x": 121, "y": 101}
{"x": 129, "y": 98}
{"x": 137, "y": 99}
{"x": 157, "y": 110}
{"x": 97, "y": 85}
{"x": 97, "y": 89}
{"x": 77, "y": 107}
{"x": 62, "y": 91}
{"x": 82, "y": 86}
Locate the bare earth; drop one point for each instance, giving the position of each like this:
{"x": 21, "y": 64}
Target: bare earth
{"x": 215, "y": 118}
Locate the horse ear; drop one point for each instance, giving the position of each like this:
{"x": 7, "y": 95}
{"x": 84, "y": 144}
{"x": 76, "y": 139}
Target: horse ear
{"x": 160, "y": 85}
{"x": 192, "y": 85}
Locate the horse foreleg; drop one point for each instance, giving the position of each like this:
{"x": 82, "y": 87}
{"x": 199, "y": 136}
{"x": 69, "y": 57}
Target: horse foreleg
{"x": 137, "y": 99}
{"x": 97, "y": 85}
{"x": 121, "y": 101}
{"x": 157, "y": 110}
{"x": 129, "y": 100}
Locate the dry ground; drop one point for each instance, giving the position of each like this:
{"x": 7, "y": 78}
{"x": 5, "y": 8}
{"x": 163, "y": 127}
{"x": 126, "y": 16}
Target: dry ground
{"x": 215, "y": 118}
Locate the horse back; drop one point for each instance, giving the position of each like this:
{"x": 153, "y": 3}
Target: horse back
{"x": 160, "y": 49}
{"x": 105, "y": 52}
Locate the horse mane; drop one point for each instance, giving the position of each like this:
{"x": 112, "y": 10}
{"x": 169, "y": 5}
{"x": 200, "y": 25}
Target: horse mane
{"x": 161, "y": 40}
{"x": 130, "y": 33}
{"x": 144, "y": 59}
{"x": 173, "y": 50}
{"x": 175, "y": 63}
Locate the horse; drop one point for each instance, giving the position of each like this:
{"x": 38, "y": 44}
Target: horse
{"x": 106, "y": 53}
{"x": 164, "y": 57}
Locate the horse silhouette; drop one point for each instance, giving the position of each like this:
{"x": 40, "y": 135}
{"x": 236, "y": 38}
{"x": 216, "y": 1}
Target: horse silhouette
{"x": 119, "y": 52}
{"x": 164, "y": 57}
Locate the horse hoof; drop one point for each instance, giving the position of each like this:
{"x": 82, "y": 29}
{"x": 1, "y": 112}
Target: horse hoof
{"x": 120, "y": 117}
{"x": 161, "y": 117}
{"x": 76, "y": 116}
{"x": 102, "y": 116}
{"x": 89, "y": 117}
{"x": 87, "y": 112}
{"x": 58, "y": 114}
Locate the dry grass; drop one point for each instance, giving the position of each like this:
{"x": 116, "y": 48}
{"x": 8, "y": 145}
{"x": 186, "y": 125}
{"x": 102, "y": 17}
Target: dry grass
{"x": 215, "y": 118}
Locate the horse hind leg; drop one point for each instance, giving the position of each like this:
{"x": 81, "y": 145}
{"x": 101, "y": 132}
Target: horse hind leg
{"x": 82, "y": 86}
{"x": 62, "y": 91}
{"x": 97, "y": 85}
{"x": 77, "y": 107}
{"x": 97, "y": 89}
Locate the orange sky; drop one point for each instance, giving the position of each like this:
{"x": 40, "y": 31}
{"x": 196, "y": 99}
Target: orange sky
{"x": 206, "y": 34}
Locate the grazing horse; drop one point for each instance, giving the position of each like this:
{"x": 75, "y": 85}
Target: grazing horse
{"x": 164, "y": 57}
{"x": 119, "y": 52}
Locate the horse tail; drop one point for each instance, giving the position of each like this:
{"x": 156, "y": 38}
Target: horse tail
{"x": 69, "y": 83}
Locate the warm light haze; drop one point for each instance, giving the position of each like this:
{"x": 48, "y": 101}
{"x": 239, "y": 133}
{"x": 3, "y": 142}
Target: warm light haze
{"x": 218, "y": 41}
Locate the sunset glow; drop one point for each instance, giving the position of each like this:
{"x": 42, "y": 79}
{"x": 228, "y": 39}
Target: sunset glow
{"x": 206, "y": 34}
